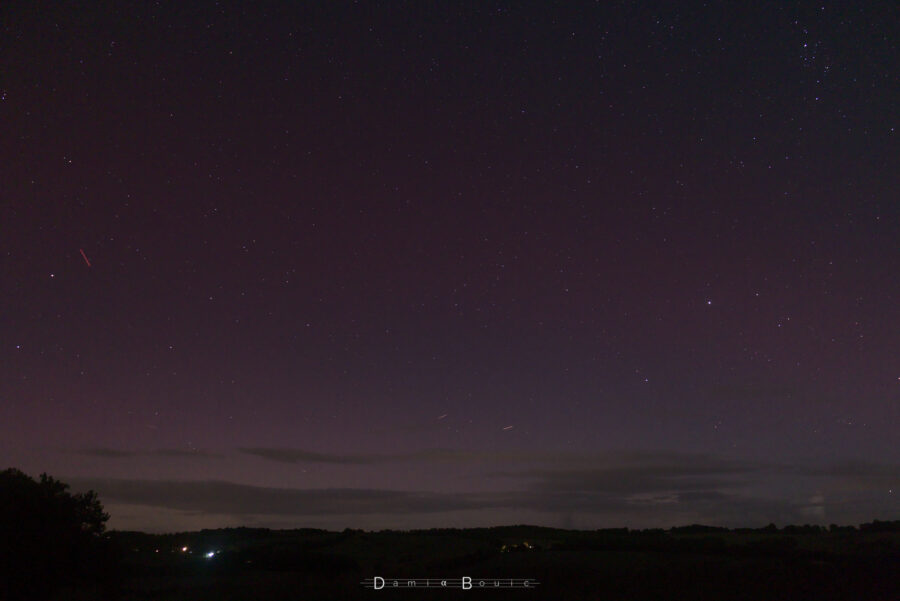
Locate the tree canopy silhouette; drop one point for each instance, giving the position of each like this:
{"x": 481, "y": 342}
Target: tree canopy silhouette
{"x": 48, "y": 536}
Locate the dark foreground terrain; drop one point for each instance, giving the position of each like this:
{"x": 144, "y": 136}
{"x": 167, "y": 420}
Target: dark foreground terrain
{"x": 695, "y": 562}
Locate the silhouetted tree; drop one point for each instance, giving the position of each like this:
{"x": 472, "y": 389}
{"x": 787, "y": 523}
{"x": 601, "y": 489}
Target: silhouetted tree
{"x": 49, "y": 537}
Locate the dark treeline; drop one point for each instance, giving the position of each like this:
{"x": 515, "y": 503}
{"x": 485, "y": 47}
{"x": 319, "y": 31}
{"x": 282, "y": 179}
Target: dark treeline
{"x": 54, "y": 545}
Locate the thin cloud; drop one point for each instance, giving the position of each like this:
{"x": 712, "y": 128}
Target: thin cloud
{"x": 110, "y": 453}
{"x": 106, "y": 452}
{"x": 238, "y": 499}
{"x": 639, "y": 489}
{"x": 612, "y": 458}
{"x": 250, "y": 502}
{"x": 288, "y": 455}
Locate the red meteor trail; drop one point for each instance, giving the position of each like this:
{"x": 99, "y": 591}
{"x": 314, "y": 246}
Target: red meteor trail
{"x": 84, "y": 256}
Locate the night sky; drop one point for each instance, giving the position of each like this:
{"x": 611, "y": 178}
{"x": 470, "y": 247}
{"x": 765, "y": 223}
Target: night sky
{"x": 406, "y": 264}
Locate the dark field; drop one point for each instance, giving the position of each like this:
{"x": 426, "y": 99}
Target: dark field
{"x": 683, "y": 563}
